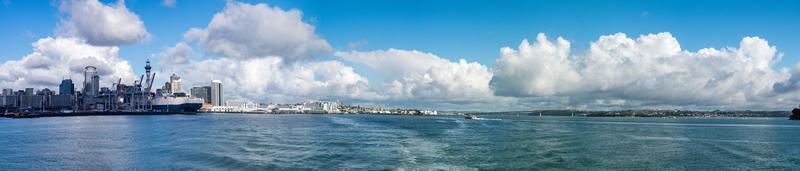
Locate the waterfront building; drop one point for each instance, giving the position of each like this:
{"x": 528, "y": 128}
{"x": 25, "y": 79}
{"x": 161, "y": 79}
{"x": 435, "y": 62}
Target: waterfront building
{"x": 321, "y": 107}
{"x": 289, "y": 108}
{"x": 91, "y": 82}
{"x": 9, "y": 101}
{"x": 175, "y": 83}
{"x": 216, "y": 93}
{"x": 89, "y": 88}
{"x": 203, "y": 92}
{"x": 167, "y": 88}
{"x": 8, "y": 92}
{"x": 60, "y": 102}
{"x": 31, "y": 100}
{"x": 45, "y": 92}
{"x": 95, "y": 84}
{"x": 241, "y": 104}
{"x": 66, "y": 87}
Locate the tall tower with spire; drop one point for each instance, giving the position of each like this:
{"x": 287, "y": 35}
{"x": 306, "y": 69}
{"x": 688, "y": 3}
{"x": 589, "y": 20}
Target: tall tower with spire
{"x": 147, "y": 73}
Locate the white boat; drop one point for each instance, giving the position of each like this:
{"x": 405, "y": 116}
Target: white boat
{"x": 471, "y": 116}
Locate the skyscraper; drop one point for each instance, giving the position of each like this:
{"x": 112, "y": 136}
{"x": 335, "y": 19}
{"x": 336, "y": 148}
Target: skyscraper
{"x": 66, "y": 87}
{"x": 175, "y": 83}
{"x": 29, "y": 92}
{"x": 203, "y": 92}
{"x": 8, "y": 92}
{"x": 216, "y": 93}
{"x": 91, "y": 82}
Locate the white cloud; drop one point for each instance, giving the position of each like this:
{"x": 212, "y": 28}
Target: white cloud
{"x": 251, "y": 31}
{"x": 651, "y": 70}
{"x": 179, "y": 54}
{"x": 270, "y": 79}
{"x": 55, "y": 58}
{"x": 265, "y": 54}
{"x": 538, "y": 69}
{"x": 102, "y": 24}
{"x": 419, "y": 76}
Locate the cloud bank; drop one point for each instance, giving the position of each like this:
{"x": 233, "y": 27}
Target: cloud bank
{"x": 650, "y": 70}
{"x": 253, "y": 31}
{"x": 53, "y": 59}
{"x": 419, "y": 76}
{"x": 100, "y": 24}
{"x": 263, "y": 53}
{"x": 269, "y": 54}
{"x": 89, "y": 35}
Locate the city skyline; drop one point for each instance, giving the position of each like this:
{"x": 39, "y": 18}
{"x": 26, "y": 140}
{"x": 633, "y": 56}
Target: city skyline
{"x": 290, "y": 51}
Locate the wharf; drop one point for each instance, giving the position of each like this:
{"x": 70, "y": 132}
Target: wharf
{"x": 57, "y": 114}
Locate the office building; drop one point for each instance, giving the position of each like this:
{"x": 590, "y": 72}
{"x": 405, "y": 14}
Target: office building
{"x": 29, "y": 92}
{"x": 91, "y": 82}
{"x": 203, "y": 92}
{"x": 175, "y": 83}
{"x": 8, "y": 92}
{"x": 216, "y": 93}
{"x": 66, "y": 87}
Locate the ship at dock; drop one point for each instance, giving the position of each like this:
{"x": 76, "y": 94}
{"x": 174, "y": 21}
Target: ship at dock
{"x": 176, "y": 103}
{"x": 170, "y": 98}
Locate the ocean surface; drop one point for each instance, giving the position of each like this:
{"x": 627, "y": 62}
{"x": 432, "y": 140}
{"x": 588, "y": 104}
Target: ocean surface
{"x": 359, "y": 142}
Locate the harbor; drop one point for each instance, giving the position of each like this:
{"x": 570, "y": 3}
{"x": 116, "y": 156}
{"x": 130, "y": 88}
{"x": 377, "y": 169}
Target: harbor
{"x": 140, "y": 98}
{"x": 118, "y": 99}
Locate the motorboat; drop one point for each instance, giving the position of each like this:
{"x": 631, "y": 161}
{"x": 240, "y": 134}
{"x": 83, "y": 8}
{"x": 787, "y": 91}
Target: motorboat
{"x": 471, "y": 116}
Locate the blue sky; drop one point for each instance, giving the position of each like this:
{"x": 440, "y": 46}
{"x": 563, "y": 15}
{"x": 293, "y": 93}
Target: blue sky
{"x": 473, "y": 30}
{"x": 409, "y": 52}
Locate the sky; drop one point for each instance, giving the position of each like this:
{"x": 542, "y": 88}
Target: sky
{"x": 447, "y": 55}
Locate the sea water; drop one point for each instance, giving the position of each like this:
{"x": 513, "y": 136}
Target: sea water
{"x": 356, "y": 142}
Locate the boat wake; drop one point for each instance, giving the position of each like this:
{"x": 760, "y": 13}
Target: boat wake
{"x": 488, "y": 119}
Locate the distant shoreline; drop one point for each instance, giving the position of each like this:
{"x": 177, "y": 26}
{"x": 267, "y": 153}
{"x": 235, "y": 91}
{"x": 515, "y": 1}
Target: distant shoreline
{"x": 685, "y": 114}
{"x": 55, "y": 114}
{"x": 648, "y": 113}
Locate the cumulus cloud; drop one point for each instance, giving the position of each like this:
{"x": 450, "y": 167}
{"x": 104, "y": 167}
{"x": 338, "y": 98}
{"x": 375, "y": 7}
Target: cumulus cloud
{"x": 265, "y": 54}
{"x": 99, "y": 24}
{"x": 56, "y": 58}
{"x": 179, "y": 54}
{"x": 270, "y": 79}
{"x": 537, "y": 69}
{"x": 415, "y": 75}
{"x": 252, "y": 31}
{"x": 647, "y": 71}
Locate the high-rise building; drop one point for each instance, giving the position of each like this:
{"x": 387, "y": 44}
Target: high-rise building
{"x": 8, "y": 92}
{"x": 45, "y": 92}
{"x": 96, "y": 84}
{"x": 29, "y": 92}
{"x": 166, "y": 88}
{"x": 216, "y": 93}
{"x": 203, "y": 92}
{"x": 91, "y": 81}
{"x": 175, "y": 83}
{"x": 66, "y": 87}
